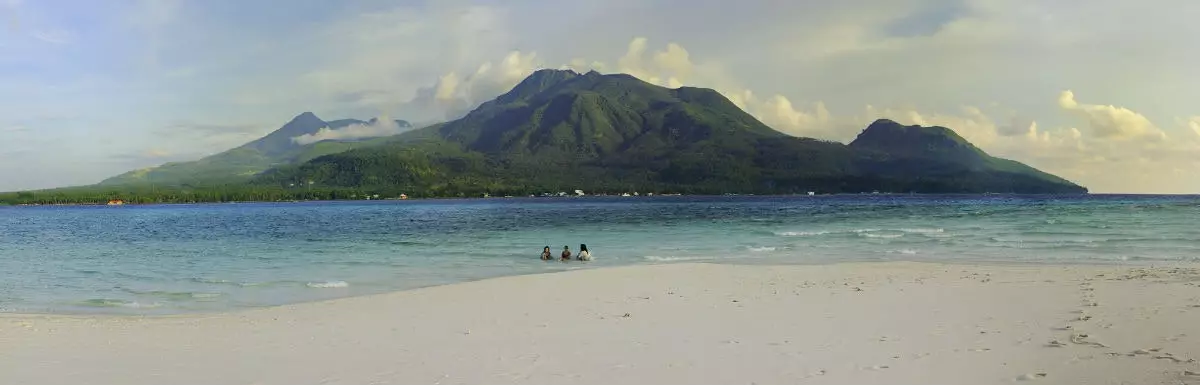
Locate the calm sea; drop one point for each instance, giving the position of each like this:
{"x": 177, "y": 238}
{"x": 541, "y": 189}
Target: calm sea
{"x": 215, "y": 257}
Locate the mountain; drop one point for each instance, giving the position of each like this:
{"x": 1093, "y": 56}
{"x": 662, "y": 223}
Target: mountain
{"x": 938, "y": 158}
{"x": 243, "y": 162}
{"x": 559, "y": 130}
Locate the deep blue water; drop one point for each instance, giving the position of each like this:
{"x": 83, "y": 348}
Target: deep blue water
{"x": 214, "y": 257}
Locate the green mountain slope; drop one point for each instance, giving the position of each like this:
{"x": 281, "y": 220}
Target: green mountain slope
{"x": 560, "y": 130}
{"x": 938, "y": 158}
{"x": 241, "y": 163}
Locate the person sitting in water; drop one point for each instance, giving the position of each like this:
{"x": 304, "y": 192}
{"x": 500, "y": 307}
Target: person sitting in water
{"x": 546, "y": 256}
{"x": 566, "y": 254}
{"x": 584, "y": 255}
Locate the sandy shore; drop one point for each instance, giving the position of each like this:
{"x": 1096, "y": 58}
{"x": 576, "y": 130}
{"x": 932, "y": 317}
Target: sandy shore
{"x": 881, "y": 323}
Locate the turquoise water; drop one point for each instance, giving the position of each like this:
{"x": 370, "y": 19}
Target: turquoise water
{"x": 199, "y": 258}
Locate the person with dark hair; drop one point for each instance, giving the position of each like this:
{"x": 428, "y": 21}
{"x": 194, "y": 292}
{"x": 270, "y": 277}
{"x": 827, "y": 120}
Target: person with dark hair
{"x": 584, "y": 255}
{"x": 546, "y": 256}
{"x": 566, "y": 254}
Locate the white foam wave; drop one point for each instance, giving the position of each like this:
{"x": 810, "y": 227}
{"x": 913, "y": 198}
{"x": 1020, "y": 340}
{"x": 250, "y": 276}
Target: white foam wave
{"x": 107, "y": 302}
{"x": 885, "y": 236}
{"x": 671, "y": 259}
{"x": 211, "y": 281}
{"x": 328, "y": 284}
{"x": 801, "y": 233}
{"x": 761, "y": 249}
{"x": 903, "y": 251}
{"x": 923, "y": 230}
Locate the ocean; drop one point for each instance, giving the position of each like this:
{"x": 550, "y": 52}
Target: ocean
{"x": 169, "y": 259}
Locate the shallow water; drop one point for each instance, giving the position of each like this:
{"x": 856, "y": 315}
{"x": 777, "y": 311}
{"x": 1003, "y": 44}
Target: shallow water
{"x": 189, "y": 258}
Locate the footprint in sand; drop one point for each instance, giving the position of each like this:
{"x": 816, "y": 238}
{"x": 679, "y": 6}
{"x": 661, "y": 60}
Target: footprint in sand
{"x": 1177, "y": 360}
{"x": 1081, "y": 339}
{"x": 1031, "y": 376}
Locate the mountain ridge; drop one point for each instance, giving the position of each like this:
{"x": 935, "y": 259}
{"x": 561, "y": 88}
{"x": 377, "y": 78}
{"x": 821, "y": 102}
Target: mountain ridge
{"x": 558, "y": 129}
{"x": 242, "y": 162}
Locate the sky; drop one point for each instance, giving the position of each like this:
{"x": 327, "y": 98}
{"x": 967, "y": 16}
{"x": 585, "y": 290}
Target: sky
{"x": 1101, "y": 92}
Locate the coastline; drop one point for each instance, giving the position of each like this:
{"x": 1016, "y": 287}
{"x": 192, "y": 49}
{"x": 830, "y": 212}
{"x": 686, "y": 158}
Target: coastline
{"x": 847, "y": 323}
{"x": 597, "y": 196}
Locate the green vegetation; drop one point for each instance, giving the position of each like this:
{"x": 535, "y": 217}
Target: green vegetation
{"x": 241, "y": 163}
{"x": 561, "y": 131}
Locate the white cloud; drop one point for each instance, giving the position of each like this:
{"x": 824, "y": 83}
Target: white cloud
{"x": 383, "y": 126}
{"x": 381, "y": 56}
{"x": 1110, "y": 121}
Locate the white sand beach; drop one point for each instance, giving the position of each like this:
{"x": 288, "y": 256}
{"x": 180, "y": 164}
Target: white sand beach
{"x": 875, "y": 323}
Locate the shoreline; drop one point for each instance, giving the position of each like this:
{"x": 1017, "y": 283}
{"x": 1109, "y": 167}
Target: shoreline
{"x": 590, "y": 196}
{"x": 845, "y": 323}
{"x": 847, "y": 264}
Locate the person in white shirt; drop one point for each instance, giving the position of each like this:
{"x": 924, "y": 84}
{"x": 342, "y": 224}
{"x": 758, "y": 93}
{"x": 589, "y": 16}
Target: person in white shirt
{"x": 584, "y": 254}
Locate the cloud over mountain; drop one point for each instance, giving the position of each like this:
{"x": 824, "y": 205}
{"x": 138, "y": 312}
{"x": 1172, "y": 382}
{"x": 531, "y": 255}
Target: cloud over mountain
{"x": 382, "y": 126}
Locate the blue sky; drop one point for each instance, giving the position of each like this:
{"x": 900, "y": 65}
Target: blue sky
{"x": 93, "y": 89}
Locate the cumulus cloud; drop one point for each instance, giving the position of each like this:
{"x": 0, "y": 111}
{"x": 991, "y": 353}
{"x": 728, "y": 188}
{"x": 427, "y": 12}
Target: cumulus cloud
{"x": 383, "y": 126}
{"x": 1108, "y": 121}
{"x": 778, "y": 112}
{"x": 452, "y": 95}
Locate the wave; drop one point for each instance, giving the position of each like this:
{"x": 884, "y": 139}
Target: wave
{"x": 212, "y": 281}
{"x": 328, "y": 284}
{"x": 903, "y": 251}
{"x": 802, "y": 233}
{"x": 175, "y": 295}
{"x": 761, "y": 249}
{"x": 110, "y": 302}
{"x": 885, "y": 236}
{"x": 932, "y": 232}
{"x": 228, "y": 282}
{"x": 656, "y": 258}
{"x": 924, "y": 230}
